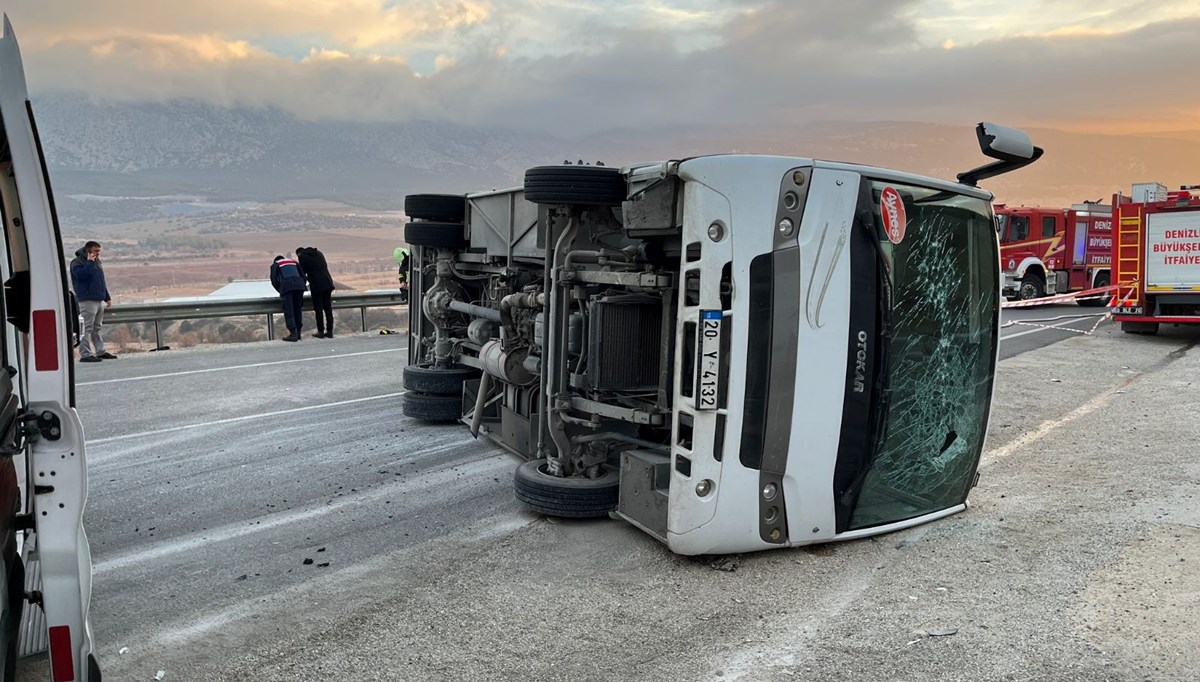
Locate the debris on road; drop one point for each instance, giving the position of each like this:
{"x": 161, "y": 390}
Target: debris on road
{"x": 943, "y": 632}
{"x": 307, "y": 561}
{"x": 160, "y": 674}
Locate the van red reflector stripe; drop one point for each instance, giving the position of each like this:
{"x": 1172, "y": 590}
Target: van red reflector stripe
{"x": 62, "y": 663}
{"x": 45, "y": 341}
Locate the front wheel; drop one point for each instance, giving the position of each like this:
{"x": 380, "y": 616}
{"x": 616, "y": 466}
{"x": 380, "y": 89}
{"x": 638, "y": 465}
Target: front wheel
{"x": 572, "y": 497}
{"x": 1032, "y": 286}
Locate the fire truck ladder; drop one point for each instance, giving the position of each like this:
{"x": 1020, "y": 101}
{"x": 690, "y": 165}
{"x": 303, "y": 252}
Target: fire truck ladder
{"x": 1129, "y": 255}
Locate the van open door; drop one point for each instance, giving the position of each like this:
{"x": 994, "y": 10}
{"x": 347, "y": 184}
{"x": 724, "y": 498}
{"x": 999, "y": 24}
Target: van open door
{"x": 42, "y": 447}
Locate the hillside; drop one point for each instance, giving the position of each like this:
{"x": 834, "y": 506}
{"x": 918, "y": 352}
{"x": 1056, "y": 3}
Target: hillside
{"x": 236, "y": 154}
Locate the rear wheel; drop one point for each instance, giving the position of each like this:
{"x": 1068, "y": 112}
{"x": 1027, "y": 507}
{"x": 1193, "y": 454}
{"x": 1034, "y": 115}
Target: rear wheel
{"x": 437, "y": 235}
{"x": 450, "y": 208}
{"x": 574, "y": 497}
{"x": 1101, "y": 281}
{"x": 1146, "y": 328}
{"x": 582, "y": 185}
{"x": 432, "y": 408}
{"x": 449, "y": 381}
{"x": 1032, "y": 286}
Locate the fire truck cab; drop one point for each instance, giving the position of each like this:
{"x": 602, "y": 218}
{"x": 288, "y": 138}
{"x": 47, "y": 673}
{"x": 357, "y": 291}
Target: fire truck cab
{"x": 1053, "y": 251}
{"x": 1157, "y": 257}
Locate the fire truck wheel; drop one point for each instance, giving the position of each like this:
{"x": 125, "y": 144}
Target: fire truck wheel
{"x": 1147, "y": 328}
{"x": 575, "y": 497}
{"x": 437, "y": 235}
{"x": 450, "y": 208}
{"x": 432, "y": 408}
{"x": 1032, "y": 286}
{"x": 1101, "y": 281}
{"x": 580, "y": 185}
{"x": 449, "y": 381}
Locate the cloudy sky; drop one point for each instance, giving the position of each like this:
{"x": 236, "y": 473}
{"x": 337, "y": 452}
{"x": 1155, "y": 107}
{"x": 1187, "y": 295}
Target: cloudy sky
{"x": 580, "y": 66}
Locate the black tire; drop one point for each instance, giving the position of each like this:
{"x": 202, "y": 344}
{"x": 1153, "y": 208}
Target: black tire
{"x": 1099, "y": 301}
{"x": 425, "y": 379}
{"x": 582, "y": 185}
{"x": 1144, "y": 328}
{"x": 448, "y": 208}
{"x": 432, "y": 408}
{"x": 574, "y": 498}
{"x": 437, "y": 235}
{"x": 14, "y": 605}
{"x": 1032, "y": 286}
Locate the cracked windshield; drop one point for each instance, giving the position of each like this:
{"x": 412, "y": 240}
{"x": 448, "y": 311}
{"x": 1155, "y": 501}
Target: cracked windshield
{"x": 943, "y": 281}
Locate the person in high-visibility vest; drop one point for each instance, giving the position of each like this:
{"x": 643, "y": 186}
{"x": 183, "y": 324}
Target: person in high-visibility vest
{"x": 401, "y": 256}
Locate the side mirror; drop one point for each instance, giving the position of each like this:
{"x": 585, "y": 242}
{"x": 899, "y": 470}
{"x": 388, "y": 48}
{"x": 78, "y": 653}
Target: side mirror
{"x": 1001, "y": 142}
{"x": 1013, "y": 149}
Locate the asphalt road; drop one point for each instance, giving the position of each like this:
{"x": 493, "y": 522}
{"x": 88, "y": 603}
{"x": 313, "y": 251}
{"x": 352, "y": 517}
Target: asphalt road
{"x": 218, "y": 474}
{"x": 1024, "y": 329}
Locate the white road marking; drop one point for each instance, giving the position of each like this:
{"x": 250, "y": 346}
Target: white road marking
{"x": 1051, "y": 424}
{"x": 222, "y": 369}
{"x": 1039, "y": 329}
{"x": 440, "y": 477}
{"x": 231, "y": 420}
{"x": 313, "y": 589}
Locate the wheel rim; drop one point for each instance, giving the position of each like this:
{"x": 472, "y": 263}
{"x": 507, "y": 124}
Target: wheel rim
{"x": 1028, "y": 291}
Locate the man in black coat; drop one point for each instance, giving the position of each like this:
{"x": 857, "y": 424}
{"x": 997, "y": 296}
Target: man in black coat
{"x": 320, "y": 286}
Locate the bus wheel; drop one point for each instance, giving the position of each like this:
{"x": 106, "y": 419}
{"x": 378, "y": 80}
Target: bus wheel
{"x": 449, "y": 208}
{"x": 432, "y": 408}
{"x": 574, "y": 497}
{"x": 1032, "y": 286}
{"x": 1147, "y": 328}
{"x": 426, "y": 379}
{"x": 437, "y": 235}
{"x": 580, "y": 185}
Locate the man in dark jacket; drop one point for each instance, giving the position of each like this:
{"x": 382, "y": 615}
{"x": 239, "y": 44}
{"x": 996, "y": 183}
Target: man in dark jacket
{"x": 91, "y": 291}
{"x": 320, "y": 285}
{"x": 288, "y": 280}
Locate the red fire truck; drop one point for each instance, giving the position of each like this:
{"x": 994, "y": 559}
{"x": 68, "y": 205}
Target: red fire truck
{"x": 1054, "y": 250}
{"x": 1157, "y": 257}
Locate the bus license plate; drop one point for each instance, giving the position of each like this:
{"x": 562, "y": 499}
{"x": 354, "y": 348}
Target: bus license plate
{"x": 710, "y": 359}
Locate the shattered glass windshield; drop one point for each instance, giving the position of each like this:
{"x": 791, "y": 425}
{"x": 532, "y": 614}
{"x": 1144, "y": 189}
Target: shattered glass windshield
{"x": 941, "y": 358}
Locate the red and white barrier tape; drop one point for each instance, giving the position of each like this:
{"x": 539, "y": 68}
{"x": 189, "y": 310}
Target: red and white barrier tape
{"x": 1063, "y": 298}
{"x": 1103, "y": 316}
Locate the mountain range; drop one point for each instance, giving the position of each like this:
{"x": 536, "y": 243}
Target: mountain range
{"x": 111, "y": 148}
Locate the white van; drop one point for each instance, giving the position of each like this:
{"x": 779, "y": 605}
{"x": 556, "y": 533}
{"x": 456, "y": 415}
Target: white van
{"x": 43, "y": 469}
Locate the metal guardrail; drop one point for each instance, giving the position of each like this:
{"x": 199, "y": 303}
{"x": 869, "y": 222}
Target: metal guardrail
{"x": 240, "y": 307}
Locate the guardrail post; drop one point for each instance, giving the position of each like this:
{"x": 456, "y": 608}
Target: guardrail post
{"x": 270, "y": 327}
{"x": 362, "y": 312}
{"x": 157, "y": 336}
